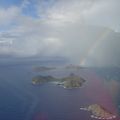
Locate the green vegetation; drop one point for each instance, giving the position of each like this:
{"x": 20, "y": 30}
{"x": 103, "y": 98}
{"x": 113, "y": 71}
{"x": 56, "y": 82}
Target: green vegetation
{"x": 42, "y": 79}
{"x": 72, "y": 81}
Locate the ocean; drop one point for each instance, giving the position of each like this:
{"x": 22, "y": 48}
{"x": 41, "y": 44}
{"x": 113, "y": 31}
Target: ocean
{"x": 20, "y": 100}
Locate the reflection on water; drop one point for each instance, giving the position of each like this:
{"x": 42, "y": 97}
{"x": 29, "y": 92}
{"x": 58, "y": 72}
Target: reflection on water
{"x": 21, "y": 100}
{"x": 111, "y": 79}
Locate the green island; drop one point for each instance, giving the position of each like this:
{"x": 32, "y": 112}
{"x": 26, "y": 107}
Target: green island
{"x": 71, "y": 81}
{"x": 42, "y": 79}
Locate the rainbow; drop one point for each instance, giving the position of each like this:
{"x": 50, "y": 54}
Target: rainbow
{"x": 98, "y": 42}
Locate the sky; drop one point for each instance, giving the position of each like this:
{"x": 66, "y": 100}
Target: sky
{"x": 80, "y": 30}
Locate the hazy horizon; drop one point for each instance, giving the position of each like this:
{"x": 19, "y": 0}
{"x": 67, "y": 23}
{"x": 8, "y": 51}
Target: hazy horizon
{"x": 86, "y": 32}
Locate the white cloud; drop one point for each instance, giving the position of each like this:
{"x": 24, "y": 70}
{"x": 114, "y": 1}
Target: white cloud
{"x": 8, "y": 15}
{"x": 25, "y": 3}
{"x": 94, "y": 12}
{"x": 72, "y": 11}
{"x": 62, "y": 28}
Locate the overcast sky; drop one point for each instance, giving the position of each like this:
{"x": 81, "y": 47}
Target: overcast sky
{"x": 72, "y": 28}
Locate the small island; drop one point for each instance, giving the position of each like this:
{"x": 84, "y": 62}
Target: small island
{"x": 42, "y": 79}
{"x": 71, "y": 66}
{"x": 99, "y": 112}
{"x": 71, "y": 81}
{"x": 43, "y": 68}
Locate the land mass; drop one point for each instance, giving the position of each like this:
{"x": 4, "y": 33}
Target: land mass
{"x": 42, "y": 79}
{"x": 71, "y": 81}
{"x": 43, "y": 68}
{"x": 72, "y": 66}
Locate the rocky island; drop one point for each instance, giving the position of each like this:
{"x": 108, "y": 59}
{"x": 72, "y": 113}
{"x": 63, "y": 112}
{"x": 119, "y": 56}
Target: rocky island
{"x": 42, "y": 79}
{"x": 99, "y": 112}
{"x": 71, "y": 81}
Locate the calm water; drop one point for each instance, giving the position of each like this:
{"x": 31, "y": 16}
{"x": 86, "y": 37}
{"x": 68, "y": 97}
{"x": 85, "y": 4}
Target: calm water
{"x": 20, "y": 100}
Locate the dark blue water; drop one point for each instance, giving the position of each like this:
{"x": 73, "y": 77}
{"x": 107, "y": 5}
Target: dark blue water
{"x": 20, "y": 100}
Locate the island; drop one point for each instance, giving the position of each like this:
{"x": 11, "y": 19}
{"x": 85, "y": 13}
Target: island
{"x": 71, "y": 81}
{"x": 43, "y": 68}
{"x": 99, "y": 112}
{"x": 42, "y": 79}
{"x": 71, "y": 66}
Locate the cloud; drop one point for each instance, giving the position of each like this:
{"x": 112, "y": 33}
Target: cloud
{"x": 103, "y": 13}
{"x": 8, "y": 15}
{"x": 25, "y": 3}
{"x": 65, "y": 12}
{"x": 63, "y": 28}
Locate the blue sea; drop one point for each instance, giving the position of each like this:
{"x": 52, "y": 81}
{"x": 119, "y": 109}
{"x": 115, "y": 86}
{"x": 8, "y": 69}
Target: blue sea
{"x": 20, "y": 100}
